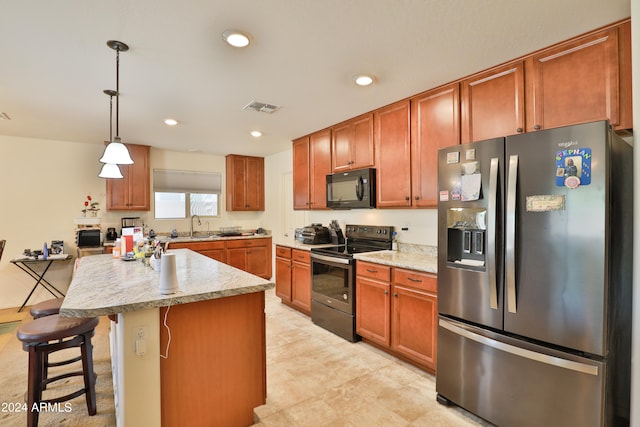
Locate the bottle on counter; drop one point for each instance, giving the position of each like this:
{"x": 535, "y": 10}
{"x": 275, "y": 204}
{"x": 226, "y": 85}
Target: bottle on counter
{"x": 45, "y": 251}
{"x": 116, "y": 249}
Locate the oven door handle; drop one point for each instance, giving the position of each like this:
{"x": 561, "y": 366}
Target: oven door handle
{"x": 331, "y": 259}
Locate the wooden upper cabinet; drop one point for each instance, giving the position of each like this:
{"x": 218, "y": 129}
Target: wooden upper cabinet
{"x": 492, "y": 103}
{"x": 132, "y": 192}
{"x": 352, "y": 144}
{"x": 301, "y": 172}
{"x": 392, "y": 138}
{"x": 311, "y": 165}
{"x": 574, "y": 82}
{"x": 245, "y": 183}
{"x": 435, "y": 124}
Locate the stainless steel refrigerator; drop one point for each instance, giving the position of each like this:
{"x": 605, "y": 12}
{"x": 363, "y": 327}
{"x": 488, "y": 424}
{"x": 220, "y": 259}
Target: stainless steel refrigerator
{"x": 534, "y": 277}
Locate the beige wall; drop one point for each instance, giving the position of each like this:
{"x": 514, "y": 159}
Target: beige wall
{"x": 44, "y": 186}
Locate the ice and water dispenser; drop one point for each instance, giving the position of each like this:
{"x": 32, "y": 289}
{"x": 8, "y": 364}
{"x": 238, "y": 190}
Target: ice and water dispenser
{"x": 466, "y": 236}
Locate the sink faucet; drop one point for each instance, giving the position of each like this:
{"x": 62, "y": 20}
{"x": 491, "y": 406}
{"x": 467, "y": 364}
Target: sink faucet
{"x": 199, "y": 223}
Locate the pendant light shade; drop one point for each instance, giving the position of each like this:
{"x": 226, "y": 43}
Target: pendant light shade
{"x": 116, "y": 152}
{"x": 110, "y": 170}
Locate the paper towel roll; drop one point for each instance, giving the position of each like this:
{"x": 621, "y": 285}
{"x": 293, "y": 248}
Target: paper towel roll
{"x": 168, "y": 274}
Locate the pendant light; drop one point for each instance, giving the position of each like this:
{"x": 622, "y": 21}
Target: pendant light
{"x": 116, "y": 152}
{"x": 110, "y": 170}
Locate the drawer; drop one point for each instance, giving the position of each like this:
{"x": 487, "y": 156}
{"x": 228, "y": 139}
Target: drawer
{"x": 373, "y": 271}
{"x": 301, "y": 256}
{"x": 415, "y": 279}
{"x": 247, "y": 243}
{"x": 283, "y": 252}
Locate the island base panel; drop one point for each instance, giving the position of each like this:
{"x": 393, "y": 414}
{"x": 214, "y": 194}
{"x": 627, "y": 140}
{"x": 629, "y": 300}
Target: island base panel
{"x": 215, "y": 373}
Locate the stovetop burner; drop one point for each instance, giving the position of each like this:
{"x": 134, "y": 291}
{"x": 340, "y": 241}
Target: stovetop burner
{"x": 360, "y": 239}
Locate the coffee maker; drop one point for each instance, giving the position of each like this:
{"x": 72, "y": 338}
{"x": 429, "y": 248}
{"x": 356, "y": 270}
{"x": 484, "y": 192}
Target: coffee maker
{"x": 112, "y": 235}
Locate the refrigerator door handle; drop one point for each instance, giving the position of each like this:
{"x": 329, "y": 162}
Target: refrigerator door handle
{"x": 510, "y": 244}
{"x": 492, "y": 213}
{"x": 519, "y": 351}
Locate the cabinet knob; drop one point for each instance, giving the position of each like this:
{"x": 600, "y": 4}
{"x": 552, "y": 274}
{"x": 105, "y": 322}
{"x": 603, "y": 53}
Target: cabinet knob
{"x": 519, "y": 130}
{"x": 386, "y": 292}
{"x": 407, "y": 198}
{"x": 395, "y": 294}
{"x": 537, "y": 127}
{"x": 417, "y": 197}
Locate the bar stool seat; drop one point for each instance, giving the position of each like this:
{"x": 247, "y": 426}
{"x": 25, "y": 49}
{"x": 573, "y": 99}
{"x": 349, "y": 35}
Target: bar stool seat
{"x": 46, "y": 308}
{"x": 45, "y": 335}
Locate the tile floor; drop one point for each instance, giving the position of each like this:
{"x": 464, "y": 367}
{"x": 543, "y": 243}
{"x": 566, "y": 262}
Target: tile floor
{"x": 315, "y": 378}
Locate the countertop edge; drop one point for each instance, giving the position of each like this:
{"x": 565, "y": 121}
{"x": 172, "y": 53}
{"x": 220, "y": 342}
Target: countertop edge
{"x": 167, "y": 300}
{"x": 409, "y": 260}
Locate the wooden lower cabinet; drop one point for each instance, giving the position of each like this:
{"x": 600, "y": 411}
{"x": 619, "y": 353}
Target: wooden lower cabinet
{"x": 250, "y": 255}
{"x": 301, "y": 280}
{"x": 293, "y": 278}
{"x": 397, "y": 309}
{"x": 283, "y": 273}
{"x": 213, "y": 249}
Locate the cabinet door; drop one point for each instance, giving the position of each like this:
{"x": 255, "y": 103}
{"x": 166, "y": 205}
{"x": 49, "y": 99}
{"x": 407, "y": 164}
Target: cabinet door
{"x": 492, "y": 103}
{"x": 414, "y": 330}
{"x": 132, "y": 192}
{"x": 341, "y": 137}
{"x": 434, "y": 125}
{"x": 301, "y": 286}
{"x": 301, "y": 172}
{"x": 319, "y": 168}
{"x": 283, "y": 278}
{"x": 363, "y": 147}
{"x": 259, "y": 261}
{"x": 254, "y": 172}
{"x": 217, "y": 254}
{"x": 245, "y": 183}
{"x": 237, "y": 257}
{"x": 393, "y": 155}
{"x": 575, "y": 82}
{"x": 373, "y": 308}
{"x": 352, "y": 144}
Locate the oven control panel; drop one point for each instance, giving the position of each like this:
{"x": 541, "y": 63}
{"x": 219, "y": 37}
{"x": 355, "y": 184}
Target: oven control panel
{"x": 377, "y": 232}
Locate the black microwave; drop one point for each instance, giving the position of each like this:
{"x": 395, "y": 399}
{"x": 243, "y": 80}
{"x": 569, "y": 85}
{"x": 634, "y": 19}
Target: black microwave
{"x": 352, "y": 190}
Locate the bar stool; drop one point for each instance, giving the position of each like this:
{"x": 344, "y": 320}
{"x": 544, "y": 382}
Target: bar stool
{"x": 43, "y": 336}
{"x": 46, "y": 308}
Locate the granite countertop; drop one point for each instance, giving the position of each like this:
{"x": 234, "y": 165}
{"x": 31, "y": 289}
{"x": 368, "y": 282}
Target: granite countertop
{"x": 104, "y": 285}
{"x": 412, "y": 260}
{"x": 182, "y": 239}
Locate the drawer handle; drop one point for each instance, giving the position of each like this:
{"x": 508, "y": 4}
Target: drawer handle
{"x": 415, "y": 280}
{"x": 372, "y": 271}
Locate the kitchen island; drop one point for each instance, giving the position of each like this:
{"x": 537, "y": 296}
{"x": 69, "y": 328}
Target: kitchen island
{"x": 196, "y": 357}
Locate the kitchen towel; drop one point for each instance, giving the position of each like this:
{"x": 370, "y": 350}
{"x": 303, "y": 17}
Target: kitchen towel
{"x": 168, "y": 274}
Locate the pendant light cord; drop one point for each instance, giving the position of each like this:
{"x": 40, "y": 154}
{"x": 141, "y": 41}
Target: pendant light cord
{"x": 117, "y": 91}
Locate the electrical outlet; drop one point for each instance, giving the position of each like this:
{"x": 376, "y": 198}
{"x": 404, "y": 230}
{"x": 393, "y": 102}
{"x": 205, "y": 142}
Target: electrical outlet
{"x": 140, "y": 333}
{"x": 140, "y": 340}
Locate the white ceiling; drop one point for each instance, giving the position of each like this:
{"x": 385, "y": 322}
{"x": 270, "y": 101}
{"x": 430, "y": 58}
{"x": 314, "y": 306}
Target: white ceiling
{"x": 55, "y": 63}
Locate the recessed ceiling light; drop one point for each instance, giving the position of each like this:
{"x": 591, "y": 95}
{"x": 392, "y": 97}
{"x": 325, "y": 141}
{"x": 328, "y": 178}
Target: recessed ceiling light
{"x": 363, "y": 79}
{"x": 170, "y": 122}
{"x": 256, "y": 133}
{"x": 236, "y": 38}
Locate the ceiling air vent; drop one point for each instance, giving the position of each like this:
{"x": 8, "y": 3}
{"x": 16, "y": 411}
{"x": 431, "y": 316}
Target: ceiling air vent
{"x": 261, "y": 107}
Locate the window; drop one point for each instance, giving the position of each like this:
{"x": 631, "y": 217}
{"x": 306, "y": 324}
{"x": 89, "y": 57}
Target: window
{"x": 179, "y": 194}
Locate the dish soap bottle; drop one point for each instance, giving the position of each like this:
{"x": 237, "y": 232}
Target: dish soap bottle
{"x": 45, "y": 251}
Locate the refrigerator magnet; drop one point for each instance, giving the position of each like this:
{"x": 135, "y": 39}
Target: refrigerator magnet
{"x": 453, "y": 158}
{"x": 444, "y": 196}
{"x": 573, "y": 167}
